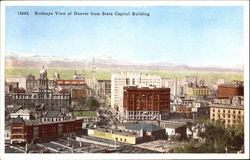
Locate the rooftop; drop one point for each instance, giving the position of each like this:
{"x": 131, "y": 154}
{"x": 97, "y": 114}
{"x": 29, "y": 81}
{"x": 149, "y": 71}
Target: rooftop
{"x": 53, "y": 114}
{"x": 231, "y": 85}
{"x": 17, "y": 120}
{"x": 36, "y": 122}
{"x": 137, "y": 88}
{"x": 171, "y": 124}
{"x": 145, "y": 127}
{"x": 117, "y": 131}
{"x": 226, "y": 106}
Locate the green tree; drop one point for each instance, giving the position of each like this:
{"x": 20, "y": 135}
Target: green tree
{"x": 92, "y": 102}
{"x": 218, "y": 138}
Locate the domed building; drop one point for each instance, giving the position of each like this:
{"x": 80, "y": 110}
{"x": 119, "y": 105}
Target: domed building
{"x": 78, "y": 76}
{"x": 43, "y": 86}
{"x": 41, "y": 91}
{"x": 43, "y": 73}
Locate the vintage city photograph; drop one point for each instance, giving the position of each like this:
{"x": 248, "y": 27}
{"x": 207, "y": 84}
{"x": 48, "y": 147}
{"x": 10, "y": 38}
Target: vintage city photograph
{"x": 124, "y": 79}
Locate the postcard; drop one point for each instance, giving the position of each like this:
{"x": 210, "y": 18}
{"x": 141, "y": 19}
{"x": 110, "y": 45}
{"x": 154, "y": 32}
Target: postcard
{"x": 124, "y": 80}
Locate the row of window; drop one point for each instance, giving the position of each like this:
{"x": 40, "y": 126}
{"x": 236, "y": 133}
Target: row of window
{"x": 228, "y": 116}
{"x": 229, "y": 121}
{"x": 228, "y": 111}
{"x": 52, "y": 119}
{"x": 17, "y": 136}
{"x": 121, "y": 140}
{"x": 142, "y": 117}
{"x": 41, "y": 96}
{"x": 140, "y": 113}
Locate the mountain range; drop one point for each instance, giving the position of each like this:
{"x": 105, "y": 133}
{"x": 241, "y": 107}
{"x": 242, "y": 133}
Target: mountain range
{"x": 106, "y": 62}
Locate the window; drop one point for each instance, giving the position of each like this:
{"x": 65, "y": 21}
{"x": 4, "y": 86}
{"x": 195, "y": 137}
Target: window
{"x": 125, "y": 140}
{"x": 228, "y": 121}
{"x": 133, "y": 81}
{"x": 120, "y": 139}
{"x": 228, "y": 111}
{"x": 239, "y": 112}
{"x": 127, "y": 81}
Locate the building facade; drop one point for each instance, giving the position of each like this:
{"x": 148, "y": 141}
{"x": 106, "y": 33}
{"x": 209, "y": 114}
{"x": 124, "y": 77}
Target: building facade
{"x": 41, "y": 94}
{"x": 226, "y": 91}
{"x": 27, "y": 131}
{"x": 229, "y": 111}
{"x": 145, "y": 103}
{"x": 103, "y": 88}
{"x": 175, "y": 86}
{"x": 198, "y": 91}
{"x": 20, "y": 80}
{"x": 229, "y": 115}
{"x": 118, "y": 81}
{"x": 79, "y": 93}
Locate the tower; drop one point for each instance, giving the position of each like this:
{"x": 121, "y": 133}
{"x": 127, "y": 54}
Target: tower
{"x": 175, "y": 86}
{"x": 93, "y": 74}
{"x": 43, "y": 85}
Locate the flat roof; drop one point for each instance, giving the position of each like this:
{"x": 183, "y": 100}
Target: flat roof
{"x": 38, "y": 122}
{"x": 227, "y": 106}
{"x": 231, "y": 85}
{"x": 116, "y": 131}
{"x": 171, "y": 124}
{"x": 144, "y": 126}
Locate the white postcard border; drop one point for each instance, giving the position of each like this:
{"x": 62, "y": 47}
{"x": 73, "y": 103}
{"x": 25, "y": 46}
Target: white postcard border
{"x": 5, "y": 156}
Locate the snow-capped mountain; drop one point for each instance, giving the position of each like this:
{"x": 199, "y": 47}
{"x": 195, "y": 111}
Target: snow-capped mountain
{"x": 104, "y": 61}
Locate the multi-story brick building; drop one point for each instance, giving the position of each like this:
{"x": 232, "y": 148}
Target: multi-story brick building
{"x": 79, "y": 93}
{"x": 145, "y": 103}
{"x": 118, "y": 81}
{"x": 226, "y": 91}
{"x": 33, "y": 130}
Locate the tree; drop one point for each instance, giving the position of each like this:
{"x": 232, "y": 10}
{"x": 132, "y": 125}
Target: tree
{"x": 218, "y": 138}
{"x": 92, "y": 103}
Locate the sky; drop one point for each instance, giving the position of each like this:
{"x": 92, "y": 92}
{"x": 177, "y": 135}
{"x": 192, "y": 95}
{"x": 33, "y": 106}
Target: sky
{"x": 191, "y": 35}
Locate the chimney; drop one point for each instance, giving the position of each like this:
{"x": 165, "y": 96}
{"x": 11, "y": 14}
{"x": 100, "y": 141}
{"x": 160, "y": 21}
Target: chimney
{"x": 142, "y": 133}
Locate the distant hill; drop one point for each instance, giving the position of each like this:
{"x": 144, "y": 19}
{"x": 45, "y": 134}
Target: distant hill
{"x": 105, "y": 62}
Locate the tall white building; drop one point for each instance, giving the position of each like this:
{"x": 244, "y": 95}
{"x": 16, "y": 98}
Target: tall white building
{"x": 120, "y": 80}
{"x": 175, "y": 86}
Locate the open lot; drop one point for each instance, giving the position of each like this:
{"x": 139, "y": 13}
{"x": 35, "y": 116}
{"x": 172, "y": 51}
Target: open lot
{"x": 85, "y": 114}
